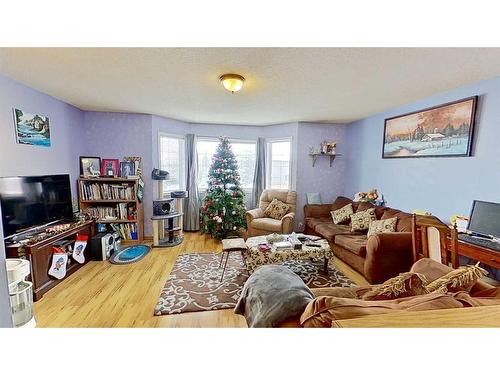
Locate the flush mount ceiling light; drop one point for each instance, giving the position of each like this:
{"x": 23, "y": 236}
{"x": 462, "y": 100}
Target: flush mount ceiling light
{"x": 232, "y": 82}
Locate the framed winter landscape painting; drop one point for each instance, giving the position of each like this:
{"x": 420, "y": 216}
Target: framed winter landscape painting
{"x": 31, "y": 129}
{"x": 445, "y": 130}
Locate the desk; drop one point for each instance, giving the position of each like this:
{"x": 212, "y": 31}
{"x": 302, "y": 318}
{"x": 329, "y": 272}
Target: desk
{"x": 476, "y": 252}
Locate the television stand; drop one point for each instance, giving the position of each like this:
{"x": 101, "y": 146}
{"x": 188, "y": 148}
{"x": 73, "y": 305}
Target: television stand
{"x": 38, "y": 250}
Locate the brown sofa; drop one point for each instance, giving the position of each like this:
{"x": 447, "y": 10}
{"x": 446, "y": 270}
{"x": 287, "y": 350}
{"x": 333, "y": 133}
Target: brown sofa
{"x": 377, "y": 258}
{"x": 333, "y": 304}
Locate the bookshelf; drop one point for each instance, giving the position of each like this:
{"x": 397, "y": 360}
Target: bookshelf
{"x": 113, "y": 201}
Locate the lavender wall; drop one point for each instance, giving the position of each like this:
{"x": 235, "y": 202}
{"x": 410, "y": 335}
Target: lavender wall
{"x": 66, "y": 124}
{"x": 328, "y": 181}
{"x": 164, "y": 125}
{"x": 443, "y": 186}
{"x": 115, "y": 135}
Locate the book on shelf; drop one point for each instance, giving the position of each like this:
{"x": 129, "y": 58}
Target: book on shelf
{"x": 118, "y": 212}
{"x": 126, "y": 230}
{"x": 95, "y": 191}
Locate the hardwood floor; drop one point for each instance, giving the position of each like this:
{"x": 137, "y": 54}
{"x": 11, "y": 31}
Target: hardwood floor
{"x": 105, "y": 295}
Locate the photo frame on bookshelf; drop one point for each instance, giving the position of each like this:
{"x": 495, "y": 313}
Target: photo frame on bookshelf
{"x": 127, "y": 169}
{"x": 110, "y": 167}
{"x": 137, "y": 160}
{"x": 90, "y": 166}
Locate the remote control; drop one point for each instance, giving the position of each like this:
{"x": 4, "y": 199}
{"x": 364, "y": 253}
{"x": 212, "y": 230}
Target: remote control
{"x": 313, "y": 245}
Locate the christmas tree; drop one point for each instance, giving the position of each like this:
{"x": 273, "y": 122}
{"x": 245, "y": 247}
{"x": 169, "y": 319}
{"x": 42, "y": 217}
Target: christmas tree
{"x": 223, "y": 211}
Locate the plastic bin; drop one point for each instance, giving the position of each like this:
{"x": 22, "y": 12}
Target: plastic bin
{"x": 21, "y": 301}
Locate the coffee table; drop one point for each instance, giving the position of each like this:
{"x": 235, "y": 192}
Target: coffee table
{"x": 256, "y": 257}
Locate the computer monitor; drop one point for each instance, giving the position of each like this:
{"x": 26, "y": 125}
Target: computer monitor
{"x": 485, "y": 218}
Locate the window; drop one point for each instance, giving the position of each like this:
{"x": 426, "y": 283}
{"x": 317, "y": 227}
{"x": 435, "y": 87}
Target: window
{"x": 279, "y": 164}
{"x": 206, "y": 149}
{"x": 172, "y": 160}
{"x": 245, "y": 155}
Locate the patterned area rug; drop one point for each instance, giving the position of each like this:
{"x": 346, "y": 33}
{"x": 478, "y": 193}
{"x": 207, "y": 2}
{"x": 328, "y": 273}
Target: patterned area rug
{"x": 194, "y": 283}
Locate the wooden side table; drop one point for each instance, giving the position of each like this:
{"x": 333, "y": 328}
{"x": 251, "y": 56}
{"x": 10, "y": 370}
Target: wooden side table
{"x": 229, "y": 245}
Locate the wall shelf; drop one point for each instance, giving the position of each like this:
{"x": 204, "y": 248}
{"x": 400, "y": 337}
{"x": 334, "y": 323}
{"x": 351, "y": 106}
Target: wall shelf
{"x": 315, "y": 157}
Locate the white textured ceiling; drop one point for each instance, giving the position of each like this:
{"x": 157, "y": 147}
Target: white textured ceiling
{"x": 282, "y": 84}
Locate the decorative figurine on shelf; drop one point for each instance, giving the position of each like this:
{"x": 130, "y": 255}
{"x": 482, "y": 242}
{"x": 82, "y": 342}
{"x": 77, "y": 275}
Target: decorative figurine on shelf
{"x": 328, "y": 148}
{"x": 323, "y": 147}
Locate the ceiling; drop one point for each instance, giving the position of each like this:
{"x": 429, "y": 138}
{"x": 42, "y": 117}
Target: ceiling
{"x": 337, "y": 85}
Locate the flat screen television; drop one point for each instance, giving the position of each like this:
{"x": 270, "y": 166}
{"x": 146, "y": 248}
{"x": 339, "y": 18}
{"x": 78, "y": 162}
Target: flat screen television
{"x": 32, "y": 201}
{"x": 485, "y": 219}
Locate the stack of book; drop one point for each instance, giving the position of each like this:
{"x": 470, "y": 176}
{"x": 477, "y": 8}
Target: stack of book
{"x": 120, "y": 211}
{"x": 94, "y": 191}
{"x": 127, "y": 231}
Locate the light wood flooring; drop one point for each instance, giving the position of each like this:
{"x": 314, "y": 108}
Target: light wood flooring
{"x": 101, "y": 294}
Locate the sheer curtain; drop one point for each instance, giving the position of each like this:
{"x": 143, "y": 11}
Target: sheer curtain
{"x": 259, "y": 178}
{"x": 192, "y": 203}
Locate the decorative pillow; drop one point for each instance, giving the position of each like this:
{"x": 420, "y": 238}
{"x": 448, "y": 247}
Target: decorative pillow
{"x": 342, "y": 214}
{"x": 382, "y": 226}
{"x": 276, "y": 209}
{"x": 313, "y": 198}
{"x": 405, "y": 285}
{"x": 360, "y": 221}
{"x": 460, "y": 279}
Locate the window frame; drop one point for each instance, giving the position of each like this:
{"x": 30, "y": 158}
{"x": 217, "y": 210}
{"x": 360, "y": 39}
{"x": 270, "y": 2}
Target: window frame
{"x": 231, "y": 140}
{"x": 182, "y": 159}
{"x": 269, "y": 161}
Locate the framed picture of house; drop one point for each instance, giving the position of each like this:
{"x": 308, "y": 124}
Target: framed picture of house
{"x": 32, "y": 129}
{"x": 445, "y": 130}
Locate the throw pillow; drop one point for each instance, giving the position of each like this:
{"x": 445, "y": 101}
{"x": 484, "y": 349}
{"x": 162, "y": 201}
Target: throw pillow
{"x": 313, "y": 198}
{"x": 382, "y": 226}
{"x": 460, "y": 279}
{"x": 405, "y": 285}
{"x": 342, "y": 214}
{"x": 276, "y": 209}
{"x": 360, "y": 221}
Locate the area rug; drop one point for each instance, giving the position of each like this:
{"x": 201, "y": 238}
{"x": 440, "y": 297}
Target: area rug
{"x": 194, "y": 283}
{"x": 130, "y": 254}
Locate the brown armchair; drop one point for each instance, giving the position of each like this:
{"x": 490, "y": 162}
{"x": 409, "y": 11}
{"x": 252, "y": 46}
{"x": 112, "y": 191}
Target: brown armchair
{"x": 258, "y": 224}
